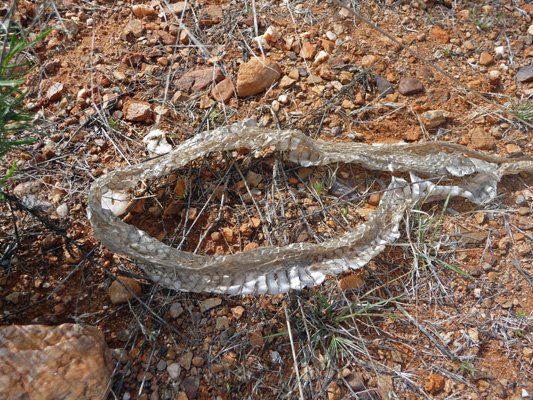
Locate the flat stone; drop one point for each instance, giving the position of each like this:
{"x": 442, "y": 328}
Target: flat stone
{"x": 433, "y": 118}
{"x": 351, "y": 282}
{"x": 119, "y": 295}
{"x": 287, "y": 82}
{"x": 179, "y": 97}
{"x": 525, "y": 74}
{"x": 210, "y": 303}
{"x": 525, "y": 223}
{"x": 222, "y": 323}
{"x": 409, "y": 86}
{"x": 190, "y": 386}
{"x": 65, "y": 362}
{"x": 137, "y": 111}
{"x": 482, "y": 140}
{"x": 55, "y": 92}
{"x": 223, "y": 91}
{"x": 198, "y": 80}
{"x": 384, "y": 86}
{"x": 438, "y": 95}
{"x": 174, "y": 370}
{"x": 257, "y": 75}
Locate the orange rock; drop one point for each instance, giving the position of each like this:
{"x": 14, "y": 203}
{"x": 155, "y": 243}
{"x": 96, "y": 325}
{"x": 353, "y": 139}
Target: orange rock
{"x": 486, "y": 58}
{"x": 308, "y": 50}
{"x": 223, "y": 91}
{"x": 434, "y": 384}
{"x": 257, "y": 75}
{"x": 251, "y": 246}
{"x": 351, "y": 282}
{"x": 482, "y": 140}
{"x": 440, "y": 34}
{"x": 181, "y": 188}
{"x": 228, "y": 234}
{"x": 119, "y": 294}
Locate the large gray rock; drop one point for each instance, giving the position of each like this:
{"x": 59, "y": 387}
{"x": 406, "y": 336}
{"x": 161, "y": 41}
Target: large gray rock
{"x": 64, "y": 362}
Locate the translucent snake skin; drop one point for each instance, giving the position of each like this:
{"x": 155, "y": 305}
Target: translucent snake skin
{"x": 280, "y": 269}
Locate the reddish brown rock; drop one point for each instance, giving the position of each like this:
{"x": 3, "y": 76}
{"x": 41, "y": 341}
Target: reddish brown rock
{"x": 257, "y": 75}
{"x": 118, "y": 294}
{"x": 308, "y": 50}
{"x": 199, "y": 79}
{"x": 409, "y": 86}
{"x": 440, "y": 34}
{"x": 486, "y": 58}
{"x": 351, "y": 282}
{"x": 137, "y": 111}
{"x": 328, "y": 45}
{"x": 55, "y": 92}
{"x": 434, "y": 384}
{"x": 223, "y": 91}
{"x": 481, "y": 140}
{"x": 142, "y": 10}
{"x": 134, "y": 29}
{"x": 65, "y": 362}
{"x": 368, "y": 61}
{"x": 326, "y": 72}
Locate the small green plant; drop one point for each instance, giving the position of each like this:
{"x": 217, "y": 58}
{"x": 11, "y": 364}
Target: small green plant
{"x": 319, "y": 186}
{"x": 467, "y": 367}
{"x": 521, "y": 313}
{"x": 427, "y": 230}
{"x": 345, "y": 212}
{"x": 522, "y": 110}
{"x": 446, "y": 51}
{"x": 14, "y": 118}
{"x": 483, "y": 21}
{"x": 214, "y": 115}
{"x": 112, "y": 122}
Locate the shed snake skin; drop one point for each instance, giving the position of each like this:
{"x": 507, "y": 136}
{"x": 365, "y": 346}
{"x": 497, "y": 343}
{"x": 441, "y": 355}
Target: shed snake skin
{"x": 279, "y": 269}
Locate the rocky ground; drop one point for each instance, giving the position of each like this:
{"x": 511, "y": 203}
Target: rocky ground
{"x": 446, "y": 313}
